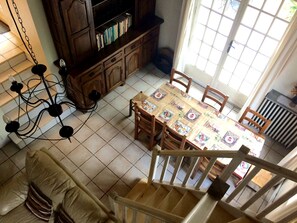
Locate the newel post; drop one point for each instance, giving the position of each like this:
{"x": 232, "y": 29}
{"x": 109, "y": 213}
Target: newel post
{"x": 241, "y": 154}
{"x": 154, "y": 164}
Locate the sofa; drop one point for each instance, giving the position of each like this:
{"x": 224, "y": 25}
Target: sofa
{"x": 56, "y": 185}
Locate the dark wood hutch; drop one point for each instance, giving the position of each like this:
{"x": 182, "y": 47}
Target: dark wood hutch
{"x": 74, "y": 25}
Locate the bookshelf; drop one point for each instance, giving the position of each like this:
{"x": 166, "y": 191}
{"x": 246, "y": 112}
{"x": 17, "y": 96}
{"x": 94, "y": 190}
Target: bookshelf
{"x": 78, "y": 28}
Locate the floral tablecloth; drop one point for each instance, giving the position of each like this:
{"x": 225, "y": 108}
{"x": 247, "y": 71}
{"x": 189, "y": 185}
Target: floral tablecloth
{"x": 203, "y": 125}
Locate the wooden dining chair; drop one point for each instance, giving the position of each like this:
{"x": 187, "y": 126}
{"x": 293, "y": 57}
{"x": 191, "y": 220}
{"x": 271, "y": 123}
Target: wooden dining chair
{"x": 216, "y": 96}
{"x": 254, "y": 121}
{"x": 137, "y": 98}
{"x": 171, "y": 140}
{"x": 175, "y": 77}
{"x": 215, "y": 171}
{"x": 146, "y": 123}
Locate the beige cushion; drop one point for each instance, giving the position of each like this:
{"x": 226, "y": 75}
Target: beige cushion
{"x": 48, "y": 176}
{"x": 13, "y": 193}
{"x": 81, "y": 208}
{"x": 22, "y": 215}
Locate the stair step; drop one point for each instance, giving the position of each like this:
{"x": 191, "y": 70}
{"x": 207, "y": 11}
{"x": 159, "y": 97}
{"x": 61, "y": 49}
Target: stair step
{"x": 220, "y": 215}
{"x": 157, "y": 197}
{"x": 170, "y": 201}
{"x": 146, "y": 195}
{"x": 185, "y": 205}
{"x": 137, "y": 190}
{"x": 243, "y": 220}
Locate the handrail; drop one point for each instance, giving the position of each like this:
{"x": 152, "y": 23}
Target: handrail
{"x": 154, "y": 212}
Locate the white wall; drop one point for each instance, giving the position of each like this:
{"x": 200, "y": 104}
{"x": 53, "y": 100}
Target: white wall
{"x": 169, "y": 10}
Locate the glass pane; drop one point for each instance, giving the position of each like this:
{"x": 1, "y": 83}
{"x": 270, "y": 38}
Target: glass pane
{"x": 241, "y": 69}
{"x": 214, "y": 20}
{"x": 260, "y": 62}
{"x": 209, "y": 36}
{"x": 206, "y": 3}
{"x": 247, "y": 56}
{"x": 236, "y": 50}
{"x": 203, "y": 15}
{"x": 199, "y": 31}
{"x": 201, "y": 63}
{"x": 250, "y": 17}
{"x": 278, "y": 29}
{"x": 253, "y": 76}
{"x": 287, "y": 10}
{"x": 235, "y": 82}
{"x": 218, "y": 6}
{"x": 215, "y": 56}
{"x": 225, "y": 76}
{"x": 231, "y": 9}
{"x": 256, "y": 3}
{"x": 204, "y": 50}
{"x": 230, "y": 64}
{"x": 191, "y": 57}
{"x": 220, "y": 42}
{"x": 194, "y": 45}
{"x": 268, "y": 47}
{"x": 255, "y": 40}
{"x": 246, "y": 88}
{"x": 271, "y": 6}
{"x": 225, "y": 26}
{"x": 242, "y": 34}
{"x": 263, "y": 23}
{"x": 210, "y": 68}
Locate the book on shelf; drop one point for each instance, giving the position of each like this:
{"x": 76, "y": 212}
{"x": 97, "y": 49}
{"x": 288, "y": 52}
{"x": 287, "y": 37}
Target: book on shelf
{"x": 111, "y": 31}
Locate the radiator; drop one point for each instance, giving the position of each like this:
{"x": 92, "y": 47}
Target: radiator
{"x": 283, "y": 116}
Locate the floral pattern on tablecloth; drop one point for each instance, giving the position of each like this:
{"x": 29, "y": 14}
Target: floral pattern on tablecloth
{"x": 159, "y": 94}
{"x": 201, "y": 139}
{"x": 181, "y": 128}
{"x": 166, "y": 115}
{"x": 192, "y": 115}
{"x": 148, "y": 106}
{"x": 230, "y": 138}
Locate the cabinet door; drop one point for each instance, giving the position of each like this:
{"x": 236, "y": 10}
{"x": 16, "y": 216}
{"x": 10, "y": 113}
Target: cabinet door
{"x": 114, "y": 75}
{"x": 132, "y": 62}
{"x": 149, "y": 50}
{"x": 95, "y": 82}
{"x": 79, "y": 25}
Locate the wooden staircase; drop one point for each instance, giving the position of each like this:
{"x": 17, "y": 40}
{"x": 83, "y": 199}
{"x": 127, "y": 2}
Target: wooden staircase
{"x": 158, "y": 200}
{"x": 15, "y": 63}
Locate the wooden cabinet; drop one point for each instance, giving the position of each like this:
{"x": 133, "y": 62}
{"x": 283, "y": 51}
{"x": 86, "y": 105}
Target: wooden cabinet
{"x": 114, "y": 75}
{"x": 133, "y": 57}
{"x": 150, "y": 46}
{"x": 75, "y": 25}
{"x": 72, "y": 26}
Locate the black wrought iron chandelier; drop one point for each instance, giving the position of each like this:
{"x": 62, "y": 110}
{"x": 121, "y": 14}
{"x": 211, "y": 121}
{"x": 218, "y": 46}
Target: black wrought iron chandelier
{"x": 52, "y": 105}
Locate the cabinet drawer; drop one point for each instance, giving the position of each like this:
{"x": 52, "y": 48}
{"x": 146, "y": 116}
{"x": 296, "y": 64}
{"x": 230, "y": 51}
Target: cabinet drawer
{"x": 151, "y": 34}
{"x": 112, "y": 60}
{"x": 132, "y": 46}
{"x": 91, "y": 73}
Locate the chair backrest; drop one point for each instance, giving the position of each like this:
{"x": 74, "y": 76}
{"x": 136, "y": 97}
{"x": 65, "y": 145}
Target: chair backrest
{"x": 144, "y": 120}
{"x": 171, "y": 140}
{"x": 254, "y": 119}
{"x": 216, "y": 96}
{"x": 174, "y": 78}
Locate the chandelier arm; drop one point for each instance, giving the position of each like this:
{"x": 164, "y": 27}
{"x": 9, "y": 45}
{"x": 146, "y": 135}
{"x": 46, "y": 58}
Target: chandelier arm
{"x": 36, "y": 123}
{"x": 27, "y": 100}
{"x": 85, "y": 121}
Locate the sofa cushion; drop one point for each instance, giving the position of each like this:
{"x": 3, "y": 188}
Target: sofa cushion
{"x": 81, "y": 208}
{"x": 21, "y": 214}
{"x": 13, "y": 193}
{"x": 38, "y": 203}
{"x": 48, "y": 176}
{"x": 62, "y": 217}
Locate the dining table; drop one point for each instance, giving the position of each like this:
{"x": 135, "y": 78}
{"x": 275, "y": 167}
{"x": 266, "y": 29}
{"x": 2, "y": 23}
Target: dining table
{"x": 203, "y": 125}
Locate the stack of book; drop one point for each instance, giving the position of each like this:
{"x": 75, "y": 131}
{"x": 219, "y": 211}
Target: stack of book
{"x": 109, "y": 32}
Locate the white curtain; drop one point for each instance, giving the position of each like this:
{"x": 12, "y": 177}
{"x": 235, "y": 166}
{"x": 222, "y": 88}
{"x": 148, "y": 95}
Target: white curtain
{"x": 184, "y": 29}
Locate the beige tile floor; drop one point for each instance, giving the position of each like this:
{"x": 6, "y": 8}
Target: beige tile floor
{"x": 104, "y": 154}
